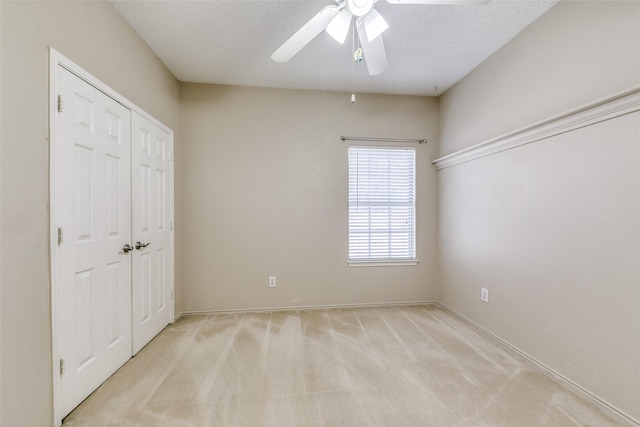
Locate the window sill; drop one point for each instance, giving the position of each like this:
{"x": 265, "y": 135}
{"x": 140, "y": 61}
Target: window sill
{"x": 385, "y": 263}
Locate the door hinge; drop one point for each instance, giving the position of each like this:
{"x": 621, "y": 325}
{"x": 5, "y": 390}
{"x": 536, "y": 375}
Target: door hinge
{"x": 170, "y": 225}
{"x": 171, "y": 297}
{"x": 59, "y": 103}
{"x": 60, "y": 236}
{"x": 170, "y": 156}
{"x": 62, "y": 367}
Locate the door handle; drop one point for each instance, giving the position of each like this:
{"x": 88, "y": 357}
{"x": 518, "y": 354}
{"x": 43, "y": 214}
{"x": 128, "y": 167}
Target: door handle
{"x": 140, "y": 245}
{"x": 126, "y": 248}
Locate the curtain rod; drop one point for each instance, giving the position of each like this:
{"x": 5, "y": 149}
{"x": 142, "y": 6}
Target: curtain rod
{"x": 363, "y": 138}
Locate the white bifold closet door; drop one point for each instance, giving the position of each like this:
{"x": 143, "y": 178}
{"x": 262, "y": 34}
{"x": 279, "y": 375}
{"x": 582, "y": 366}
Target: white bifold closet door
{"x": 151, "y": 221}
{"x": 114, "y": 257}
{"x": 93, "y": 213}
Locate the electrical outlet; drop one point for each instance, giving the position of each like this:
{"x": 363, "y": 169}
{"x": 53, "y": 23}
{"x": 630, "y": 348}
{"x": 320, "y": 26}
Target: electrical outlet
{"x": 272, "y": 281}
{"x": 484, "y": 294}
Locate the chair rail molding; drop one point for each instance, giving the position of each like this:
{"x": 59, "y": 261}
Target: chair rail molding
{"x": 605, "y": 109}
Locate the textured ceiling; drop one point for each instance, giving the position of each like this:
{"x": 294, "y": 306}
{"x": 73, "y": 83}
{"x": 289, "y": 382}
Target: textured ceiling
{"x": 230, "y": 42}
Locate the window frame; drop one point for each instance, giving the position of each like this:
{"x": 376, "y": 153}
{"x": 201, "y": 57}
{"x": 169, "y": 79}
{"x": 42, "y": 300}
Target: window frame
{"x": 411, "y": 240}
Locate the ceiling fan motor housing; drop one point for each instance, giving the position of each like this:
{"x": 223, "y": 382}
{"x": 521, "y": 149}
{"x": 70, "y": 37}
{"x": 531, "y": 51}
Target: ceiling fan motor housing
{"x": 360, "y": 7}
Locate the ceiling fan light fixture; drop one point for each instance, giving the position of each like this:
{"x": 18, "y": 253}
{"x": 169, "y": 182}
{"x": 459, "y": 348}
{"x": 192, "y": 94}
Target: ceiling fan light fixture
{"x": 368, "y": 28}
{"x": 339, "y": 26}
{"x": 374, "y": 24}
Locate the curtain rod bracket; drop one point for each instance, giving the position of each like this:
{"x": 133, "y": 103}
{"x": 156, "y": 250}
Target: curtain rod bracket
{"x": 363, "y": 138}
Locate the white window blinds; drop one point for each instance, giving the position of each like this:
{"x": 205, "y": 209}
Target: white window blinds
{"x": 382, "y": 204}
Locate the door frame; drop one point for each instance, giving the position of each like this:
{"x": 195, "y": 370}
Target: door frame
{"x": 57, "y": 59}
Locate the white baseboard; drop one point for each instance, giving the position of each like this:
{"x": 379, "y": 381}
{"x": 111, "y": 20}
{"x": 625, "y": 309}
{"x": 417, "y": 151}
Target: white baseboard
{"x": 306, "y": 307}
{"x": 581, "y": 390}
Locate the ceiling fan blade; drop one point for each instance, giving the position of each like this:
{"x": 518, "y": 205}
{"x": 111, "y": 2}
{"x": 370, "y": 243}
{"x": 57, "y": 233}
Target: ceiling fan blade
{"x": 339, "y": 26}
{"x": 304, "y": 35}
{"x": 443, "y": 2}
{"x": 374, "y": 54}
{"x": 374, "y": 24}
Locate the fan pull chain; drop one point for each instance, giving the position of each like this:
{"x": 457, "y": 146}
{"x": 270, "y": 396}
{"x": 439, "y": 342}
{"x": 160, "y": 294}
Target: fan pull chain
{"x": 353, "y": 63}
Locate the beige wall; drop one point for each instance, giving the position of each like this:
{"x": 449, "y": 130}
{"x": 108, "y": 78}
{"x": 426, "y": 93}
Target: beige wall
{"x": 265, "y": 193}
{"x": 93, "y": 35}
{"x": 551, "y": 228}
{"x": 576, "y": 53}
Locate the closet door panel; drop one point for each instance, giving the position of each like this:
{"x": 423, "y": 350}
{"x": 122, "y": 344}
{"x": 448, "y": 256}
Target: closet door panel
{"x": 151, "y": 165}
{"x": 93, "y": 214}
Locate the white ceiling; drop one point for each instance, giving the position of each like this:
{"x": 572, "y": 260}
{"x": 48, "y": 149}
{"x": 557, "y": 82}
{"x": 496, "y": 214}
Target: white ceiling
{"x": 230, "y": 42}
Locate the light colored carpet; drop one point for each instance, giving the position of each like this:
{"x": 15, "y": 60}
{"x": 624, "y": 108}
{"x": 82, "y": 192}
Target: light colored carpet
{"x": 391, "y": 366}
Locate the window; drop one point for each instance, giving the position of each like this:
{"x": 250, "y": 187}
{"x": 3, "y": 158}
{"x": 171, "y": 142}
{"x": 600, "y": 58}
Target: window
{"x": 382, "y": 204}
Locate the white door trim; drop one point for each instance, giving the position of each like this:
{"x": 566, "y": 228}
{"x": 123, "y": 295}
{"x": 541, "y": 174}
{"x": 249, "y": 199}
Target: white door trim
{"x": 57, "y": 59}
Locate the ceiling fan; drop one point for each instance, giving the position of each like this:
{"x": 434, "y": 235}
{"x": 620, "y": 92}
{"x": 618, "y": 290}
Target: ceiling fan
{"x": 369, "y": 24}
